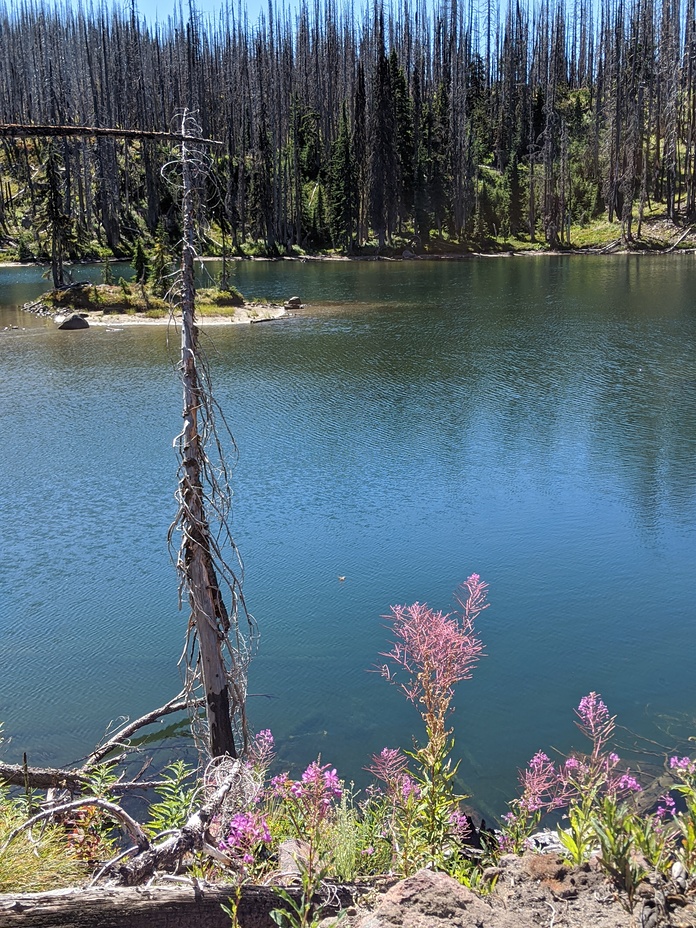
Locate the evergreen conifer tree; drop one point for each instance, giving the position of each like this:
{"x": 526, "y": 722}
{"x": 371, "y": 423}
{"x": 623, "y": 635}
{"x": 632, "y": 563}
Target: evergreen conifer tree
{"x": 343, "y": 187}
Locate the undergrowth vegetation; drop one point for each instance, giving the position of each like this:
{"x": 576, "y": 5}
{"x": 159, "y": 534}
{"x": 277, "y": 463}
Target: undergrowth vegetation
{"x": 316, "y": 827}
{"x": 34, "y": 862}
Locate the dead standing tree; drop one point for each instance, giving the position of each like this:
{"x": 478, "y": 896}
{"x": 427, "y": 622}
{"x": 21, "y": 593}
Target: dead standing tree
{"x": 213, "y": 662}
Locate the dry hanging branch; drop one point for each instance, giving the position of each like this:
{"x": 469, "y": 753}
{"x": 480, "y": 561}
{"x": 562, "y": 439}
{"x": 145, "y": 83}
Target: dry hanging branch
{"x": 163, "y": 855}
{"x": 120, "y": 739}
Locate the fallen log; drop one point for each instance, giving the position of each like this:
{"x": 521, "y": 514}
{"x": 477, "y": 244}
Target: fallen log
{"x": 679, "y": 240}
{"x": 71, "y": 780}
{"x": 77, "y": 780}
{"x": 43, "y": 777}
{"x": 19, "y": 131}
{"x": 179, "y": 906}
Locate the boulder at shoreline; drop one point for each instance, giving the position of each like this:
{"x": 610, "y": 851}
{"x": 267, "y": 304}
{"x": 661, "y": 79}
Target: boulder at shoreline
{"x": 71, "y": 321}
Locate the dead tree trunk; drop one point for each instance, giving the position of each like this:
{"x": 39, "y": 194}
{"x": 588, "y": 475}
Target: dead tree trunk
{"x": 209, "y": 616}
{"x": 153, "y": 907}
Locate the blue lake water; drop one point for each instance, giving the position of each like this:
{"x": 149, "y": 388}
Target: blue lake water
{"x": 532, "y": 420}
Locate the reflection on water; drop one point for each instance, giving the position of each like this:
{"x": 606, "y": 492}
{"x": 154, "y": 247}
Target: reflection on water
{"x": 532, "y": 420}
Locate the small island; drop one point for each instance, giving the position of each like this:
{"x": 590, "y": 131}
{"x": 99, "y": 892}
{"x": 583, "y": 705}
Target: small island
{"x": 83, "y": 305}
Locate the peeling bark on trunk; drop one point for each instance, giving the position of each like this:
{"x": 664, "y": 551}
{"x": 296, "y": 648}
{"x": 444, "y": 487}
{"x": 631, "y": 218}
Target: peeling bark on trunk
{"x": 208, "y": 612}
{"x": 153, "y": 907}
{"x": 43, "y": 777}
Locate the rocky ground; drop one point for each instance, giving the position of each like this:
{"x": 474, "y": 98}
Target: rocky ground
{"x": 533, "y": 891}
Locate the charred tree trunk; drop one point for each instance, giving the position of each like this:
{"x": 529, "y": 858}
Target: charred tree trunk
{"x": 208, "y": 613}
{"x": 152, "y": 907}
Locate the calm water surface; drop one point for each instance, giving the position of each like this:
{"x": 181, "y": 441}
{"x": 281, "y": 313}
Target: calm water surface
{"x": 532, "y": 420}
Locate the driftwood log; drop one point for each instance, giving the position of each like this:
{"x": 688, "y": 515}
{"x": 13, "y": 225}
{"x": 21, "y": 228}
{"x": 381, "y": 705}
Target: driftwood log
{"x": 179, "y": 906}
{"x": 43, "y": 777}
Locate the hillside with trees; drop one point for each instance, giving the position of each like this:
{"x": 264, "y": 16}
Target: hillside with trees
{"x": 433, "y": 127}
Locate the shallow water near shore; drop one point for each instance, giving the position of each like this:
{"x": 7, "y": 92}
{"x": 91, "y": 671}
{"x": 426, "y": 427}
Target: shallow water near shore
{"x": 529, "y": 419}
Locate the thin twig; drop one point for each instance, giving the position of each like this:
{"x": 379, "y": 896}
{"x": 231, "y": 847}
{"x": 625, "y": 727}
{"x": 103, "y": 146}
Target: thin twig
{"x": 133, "y": 827}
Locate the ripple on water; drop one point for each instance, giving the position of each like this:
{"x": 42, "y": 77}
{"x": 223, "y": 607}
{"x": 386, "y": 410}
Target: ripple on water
{"x": 532, "y": 421}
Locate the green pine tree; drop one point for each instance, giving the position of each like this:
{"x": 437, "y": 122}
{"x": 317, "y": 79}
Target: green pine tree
{"x": 139, "y": 262}
{"x": 512, "y": 218}
{"x": 342, "y": 187}
{"x": 160, "y": 262}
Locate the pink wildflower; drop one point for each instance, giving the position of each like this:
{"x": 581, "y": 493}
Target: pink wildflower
{"x": 475, "y": 601}
{"x": 669, "y": 807}
{"x": 321, "y": 779}
{"x": 460, "y": 824}
{"x": 630, "y": 784}
{"x": 409, "y": 788}
{"x": 595, "y": 721}
{"x": 680, "y": 763}
{"x": 389, "y": 764}
{"x": 247, "y": 830}
{"x": 433, "y": 644}
{"x": 541, "y": 785}
{"x": 261, "y": 751}
{"x": 281, "y": 785}
{"x": 435, "y": 651}
{"x": 311, "y": 796}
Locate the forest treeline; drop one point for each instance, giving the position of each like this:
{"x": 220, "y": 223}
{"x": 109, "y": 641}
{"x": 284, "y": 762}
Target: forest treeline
{"x": 400, "y": 125}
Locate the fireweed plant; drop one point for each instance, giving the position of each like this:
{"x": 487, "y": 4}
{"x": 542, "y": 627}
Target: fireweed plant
{"x": 247, "y": 834}
{"x": 411, "y": 816}
{"x": 595, "y": 791}
{"x": 308, "y": 807}
{"x": 683, "y": 822}
{"x": 432, "y": 651}
{"x": 301, "y": 810}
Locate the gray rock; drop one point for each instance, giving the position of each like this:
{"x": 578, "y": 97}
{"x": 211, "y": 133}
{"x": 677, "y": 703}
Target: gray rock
{"x": 71, "y": 321}
{"x": 293, "y": 856}
{"x": 679, "y": 875}
{"x": 547, "y": 842}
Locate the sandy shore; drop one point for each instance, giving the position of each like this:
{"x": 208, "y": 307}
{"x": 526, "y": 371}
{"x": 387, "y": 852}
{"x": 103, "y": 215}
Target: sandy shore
{"x": 244, "y": 315}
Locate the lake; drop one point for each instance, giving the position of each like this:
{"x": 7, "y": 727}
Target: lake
{"x": 532, "y": 420}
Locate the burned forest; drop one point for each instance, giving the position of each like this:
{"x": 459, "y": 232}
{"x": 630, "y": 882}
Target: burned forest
{"x": 417, "y": 126}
